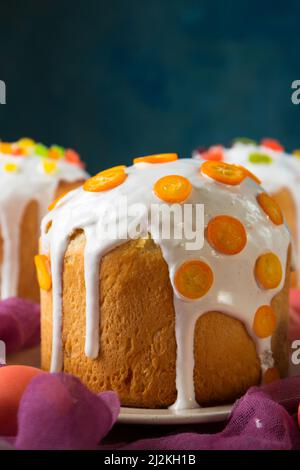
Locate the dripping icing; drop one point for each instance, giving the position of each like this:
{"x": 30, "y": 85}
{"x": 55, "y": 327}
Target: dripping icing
{"x": 18, "y": 189}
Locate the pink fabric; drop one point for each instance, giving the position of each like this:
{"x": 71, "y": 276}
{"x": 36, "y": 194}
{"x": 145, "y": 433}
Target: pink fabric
{"x": 19, "y": 324}
{"x": 58, "y": 412}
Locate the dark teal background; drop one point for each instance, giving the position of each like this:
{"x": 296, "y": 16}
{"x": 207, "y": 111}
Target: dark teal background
{"x": 118, "y": 79}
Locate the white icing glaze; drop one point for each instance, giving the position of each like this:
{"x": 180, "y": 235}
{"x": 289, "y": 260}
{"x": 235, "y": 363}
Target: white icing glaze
{"x": 282, "y": 172}
{"x": 234, "y": 291}
{"x": 28, "y": 183}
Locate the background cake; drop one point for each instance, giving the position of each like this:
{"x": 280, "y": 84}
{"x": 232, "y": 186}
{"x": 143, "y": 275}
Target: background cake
{"x": 278, "y": 171}
{"x": 31, "y": 176}
{"x": 158, "y": 322}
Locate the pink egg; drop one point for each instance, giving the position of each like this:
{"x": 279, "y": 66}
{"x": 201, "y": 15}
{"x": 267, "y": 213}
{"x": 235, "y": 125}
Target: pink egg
{"x": 13, "y": 382}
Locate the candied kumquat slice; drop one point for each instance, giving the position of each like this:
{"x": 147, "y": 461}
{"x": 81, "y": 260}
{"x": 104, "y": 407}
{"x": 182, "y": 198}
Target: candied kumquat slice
{"x": 54, "y": 203}
{"x": 268, "y": 271}
{"x": 193, "y": 279}
{"x": 272, "y": 144}
{"x": 117, "y": 167}
{"x": 226, "y": 234}
{"x": 42, "y": 265}
{"x": 223, "y": 172}
{"x": 172, "y": 188}
{"x": 270, "y": 207}
{"x": 105, "y": 180}
{"x": 271, "y": 375}
{"x": 214, "y": 153}
{"x": 157, "y": 158}
{"x": 264, "y": 322}
{"x": 249, "y": 174}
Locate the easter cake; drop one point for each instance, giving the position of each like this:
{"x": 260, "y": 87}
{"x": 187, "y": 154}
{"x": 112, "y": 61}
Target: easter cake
{"x": 278, "y": 171}
{"x": 162, "y": 322}
{"x": 31, "y": 176}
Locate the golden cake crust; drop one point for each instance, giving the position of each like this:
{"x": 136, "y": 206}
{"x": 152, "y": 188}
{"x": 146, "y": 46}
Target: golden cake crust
{"x": 137, "y": 355}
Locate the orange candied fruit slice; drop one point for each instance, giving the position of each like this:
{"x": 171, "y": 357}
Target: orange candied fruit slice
{"x": 272, "y": 144}
{"x": 226, "y": 234}
{"x": 18, "y": 151}
{"x": 268, "y": 271}
{"x": 6, "y": 147}
{"x": 105, "y": 180}
{"x": 42, "y": 265}
{"x": 271, "y": 208}
{"x": 264, "y": 322}
{"x": 193, "y": 279}
{"x": 157, "y": 158}
{"x": 54, "y": 203}
{"x": 172, "y": 188}
{"x": 271, "y": 375}
{"x": 223, "y": 172}
{"x": 249, "y": 174}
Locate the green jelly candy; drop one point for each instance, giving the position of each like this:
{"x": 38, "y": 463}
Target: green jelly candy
{"x": 41, "y": 150}
{"x": 260, "y": 158}
{"x": 244, "y": 140}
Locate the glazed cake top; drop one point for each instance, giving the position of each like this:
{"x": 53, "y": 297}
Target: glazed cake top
{"x": 34, "y": 161}
{"x": 268, "y": 160}
{"x": 237, "y": 270}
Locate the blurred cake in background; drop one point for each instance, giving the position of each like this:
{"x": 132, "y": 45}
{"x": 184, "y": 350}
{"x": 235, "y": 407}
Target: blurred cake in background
{"x": 278, "y": 171}
{"x": 31, "y": 176}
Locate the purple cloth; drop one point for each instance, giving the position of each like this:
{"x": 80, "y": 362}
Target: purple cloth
{"x": 19, "y": 324}
{"x": 58, "y": 412}
{"x": 259, "y": 421}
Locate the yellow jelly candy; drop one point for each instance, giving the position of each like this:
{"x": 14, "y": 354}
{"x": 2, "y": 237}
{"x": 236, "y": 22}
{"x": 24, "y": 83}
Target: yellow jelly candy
{"x": 49, "y": 167}
{"x": 296, "y": 153}
{"x": 26, "y": 143}
{"x": 193, "y": 279}
{"x": 10, "y": 167}
{"x": 264, "y": 322}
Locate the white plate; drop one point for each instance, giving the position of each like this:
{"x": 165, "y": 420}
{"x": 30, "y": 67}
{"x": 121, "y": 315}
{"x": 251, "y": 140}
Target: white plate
{"x": 211, "y": 414}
